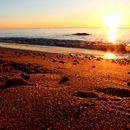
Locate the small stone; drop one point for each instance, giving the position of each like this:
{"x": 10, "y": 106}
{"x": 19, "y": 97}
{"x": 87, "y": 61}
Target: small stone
{"x": 74, "y": 63}
{"x": 63, "y": 80}
{"x": 93, "y": 66}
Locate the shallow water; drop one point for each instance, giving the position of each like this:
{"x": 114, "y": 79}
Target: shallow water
{"x": 98, "y": 34}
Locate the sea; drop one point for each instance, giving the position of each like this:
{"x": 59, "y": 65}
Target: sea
{"x": 96, "y": 35}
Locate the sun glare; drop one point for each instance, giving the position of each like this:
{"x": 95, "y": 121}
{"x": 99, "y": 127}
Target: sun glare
{"x": 112, "y": 21}
{"x": 109, "y": 56}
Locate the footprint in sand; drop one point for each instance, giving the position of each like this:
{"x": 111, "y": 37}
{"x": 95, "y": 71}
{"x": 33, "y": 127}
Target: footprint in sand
{"x": 85, "y": 94}
{"x": 82, "y": 109}
{"x": 84, "y": 106}
{"x": 115, "y": 92}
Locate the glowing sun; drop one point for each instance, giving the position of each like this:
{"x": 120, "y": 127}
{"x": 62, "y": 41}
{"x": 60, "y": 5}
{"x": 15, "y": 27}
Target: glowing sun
{"x": 112, "y": 21}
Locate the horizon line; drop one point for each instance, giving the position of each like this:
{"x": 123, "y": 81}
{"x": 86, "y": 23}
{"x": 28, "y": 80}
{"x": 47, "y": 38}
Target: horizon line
{"x": 58, "y": 28}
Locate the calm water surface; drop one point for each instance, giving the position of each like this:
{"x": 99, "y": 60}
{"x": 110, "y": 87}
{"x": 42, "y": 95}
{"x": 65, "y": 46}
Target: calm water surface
{"x": 98, "y": 34}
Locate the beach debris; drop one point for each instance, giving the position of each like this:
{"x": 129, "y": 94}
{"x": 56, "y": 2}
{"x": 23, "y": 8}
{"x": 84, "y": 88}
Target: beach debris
{"x": 63, "y": 80}
{"x": 115, "y": 91}
{"x": 85, "y": 95}
{"x": 15, "y": 82}
{"x": 25, "y": 76}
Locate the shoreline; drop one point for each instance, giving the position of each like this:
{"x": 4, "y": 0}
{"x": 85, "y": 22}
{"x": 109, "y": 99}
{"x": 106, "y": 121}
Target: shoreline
{"x": 64, "y": 50}
{"x": 116, "y": 48}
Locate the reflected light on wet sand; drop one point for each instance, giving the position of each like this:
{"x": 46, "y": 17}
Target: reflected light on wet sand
{"x": 109, "y": 56}
{"x": 65, "y": 50}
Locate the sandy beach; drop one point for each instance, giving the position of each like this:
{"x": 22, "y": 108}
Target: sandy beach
{"x": 44, "y": 91}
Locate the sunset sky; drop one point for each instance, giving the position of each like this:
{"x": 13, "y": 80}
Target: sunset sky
{"x": 60, "y": 13}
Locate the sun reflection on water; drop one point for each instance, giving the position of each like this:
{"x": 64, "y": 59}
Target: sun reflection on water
{"x": 112, "y": 21}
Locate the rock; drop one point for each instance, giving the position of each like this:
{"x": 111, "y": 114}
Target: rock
{"x": 63, "y": 80}
{"x": 74, "y": 63}
{"x": 25, "y": 77}
{"x": 81, "y": 34}
{"x": 98, "y": 59}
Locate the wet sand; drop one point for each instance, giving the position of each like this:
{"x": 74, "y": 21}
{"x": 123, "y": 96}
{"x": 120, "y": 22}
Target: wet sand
{"x": 101, "y": 46}
{"x": 44, "y": 91}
